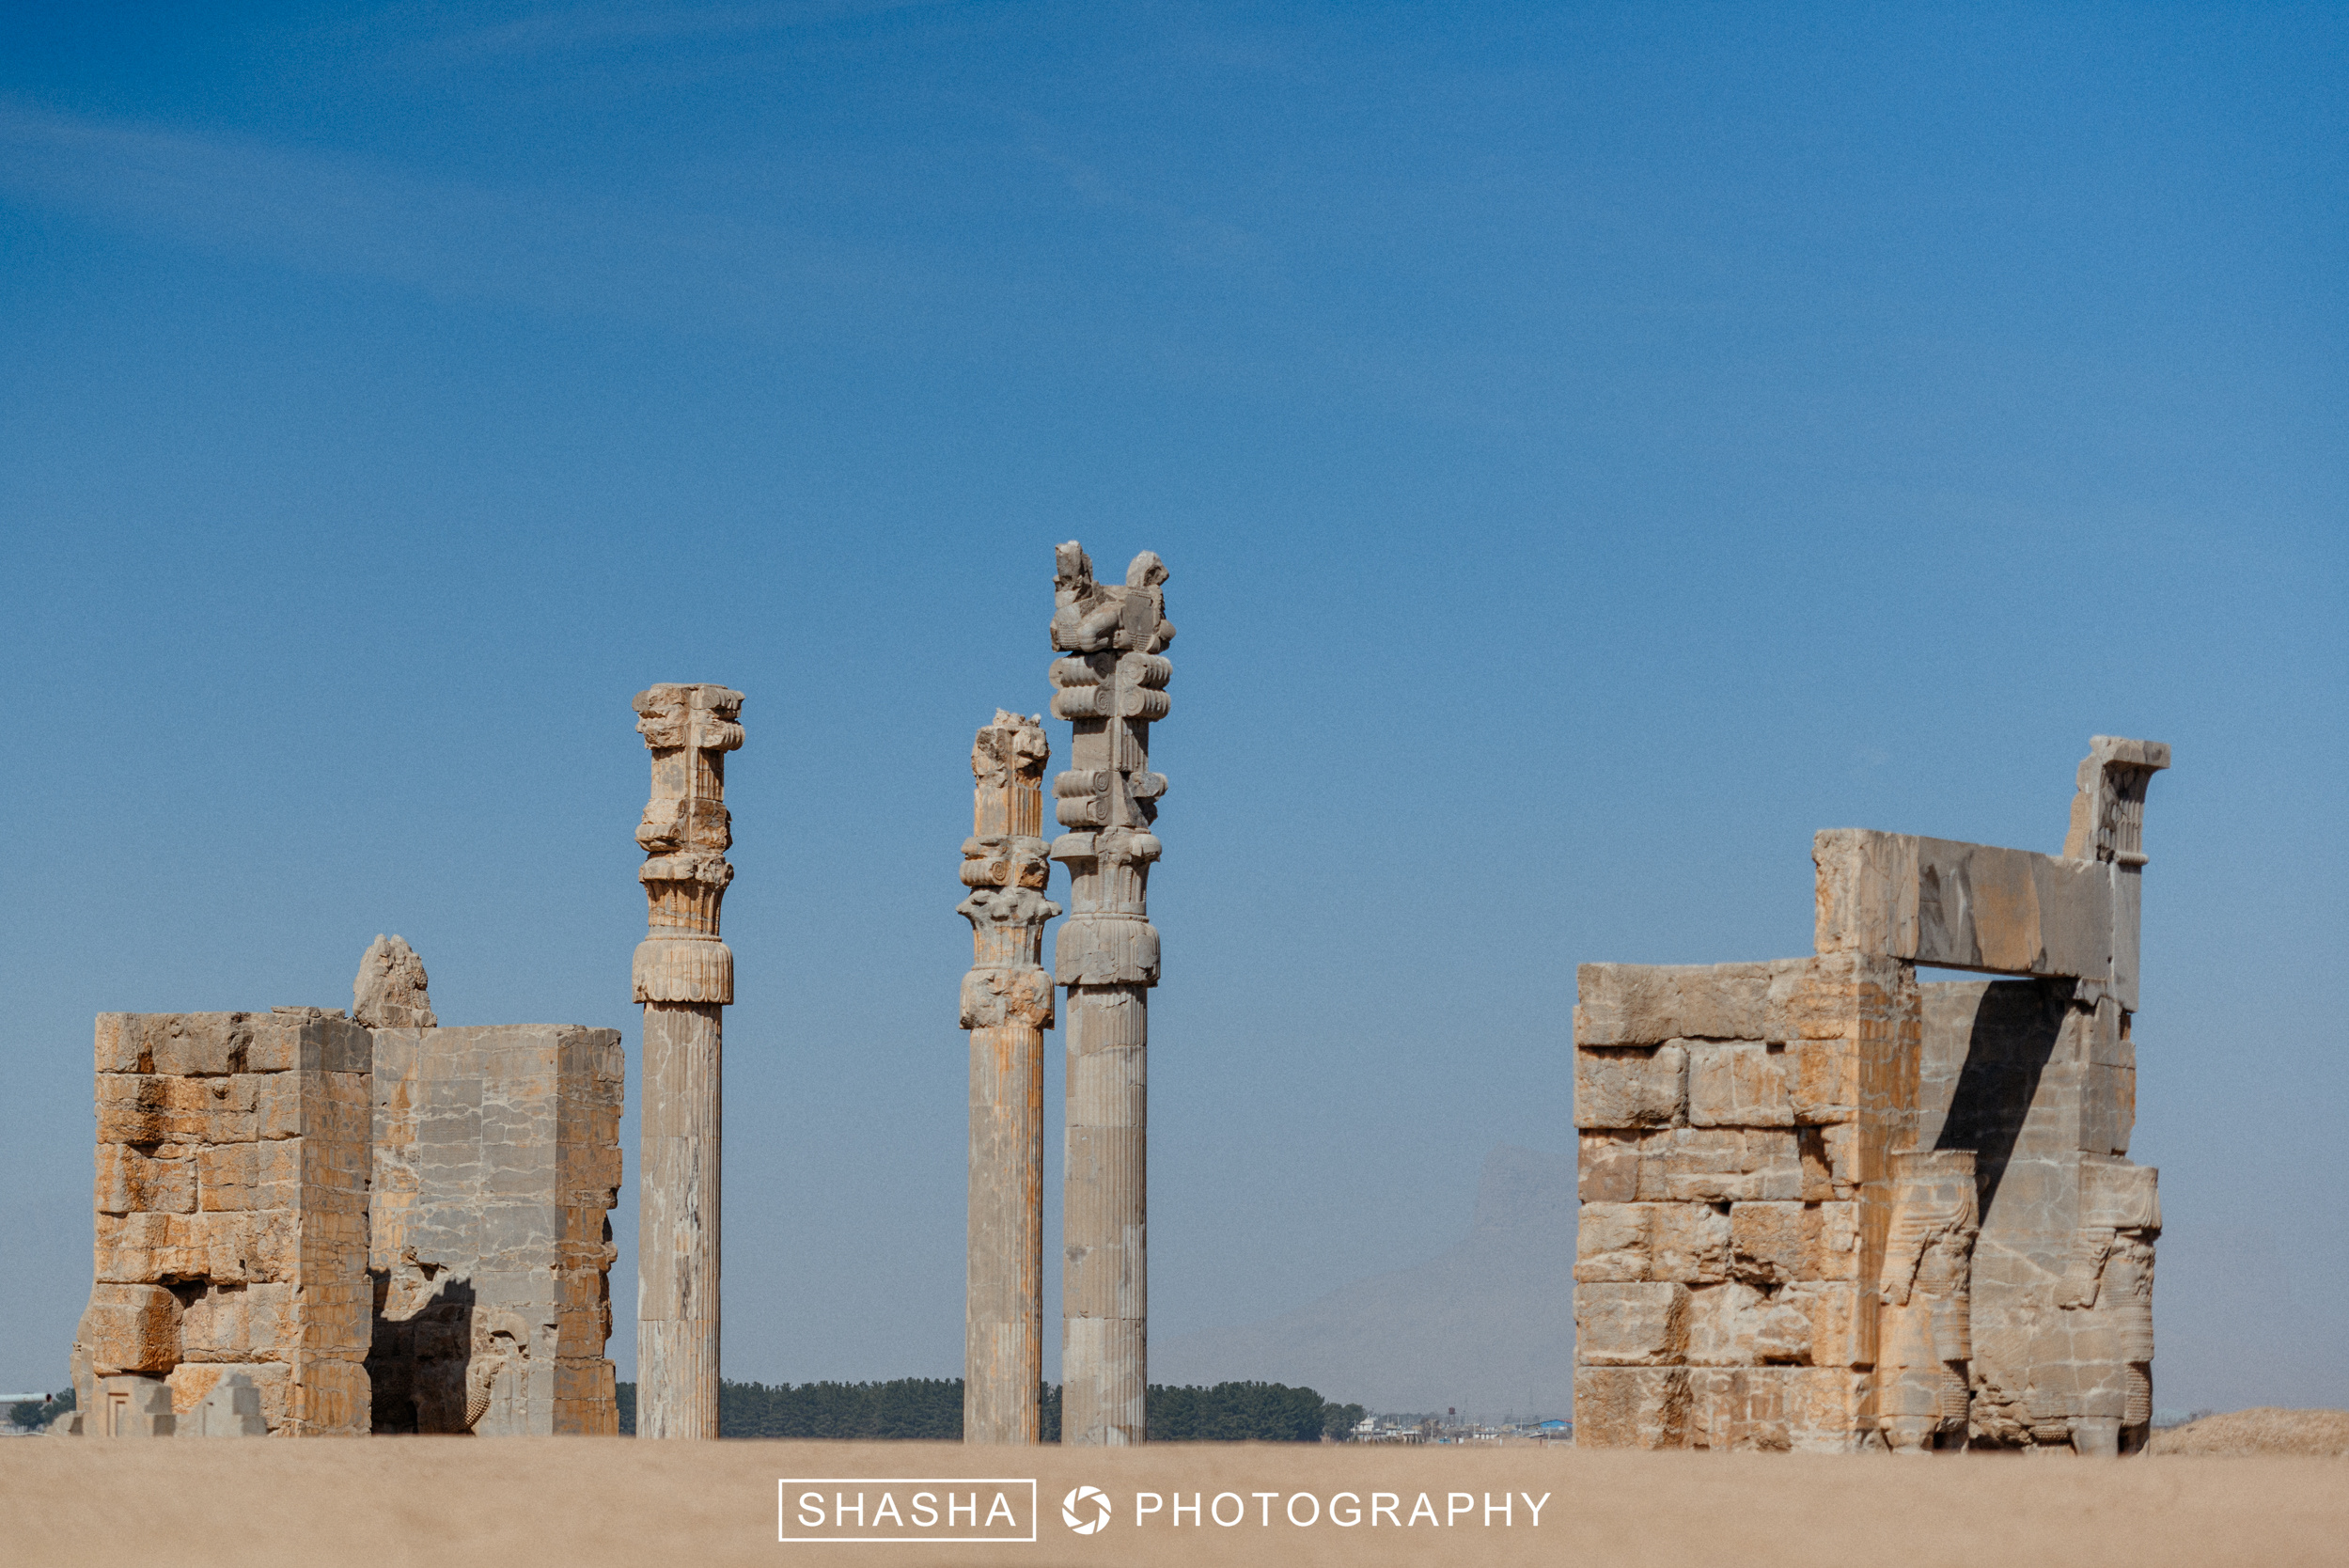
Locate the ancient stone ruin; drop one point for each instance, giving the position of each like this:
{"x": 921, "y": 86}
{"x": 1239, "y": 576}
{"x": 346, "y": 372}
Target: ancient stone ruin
{"x": 1825, "y": 1206}
{"x": 1006, "y": 1004}
{"x": 310, "y": 1224}
{"x": 1111, "y": 685}
{"x": 684, "y": 975}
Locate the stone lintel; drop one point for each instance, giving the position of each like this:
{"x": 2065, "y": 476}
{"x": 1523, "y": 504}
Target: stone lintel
{"x": 1977, "y": 906}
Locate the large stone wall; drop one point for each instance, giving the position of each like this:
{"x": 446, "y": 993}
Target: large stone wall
{"x": 397, "y": 1229}
{"x": 2041, "y": 1087}
{"x": 1736, "y": 1123}
{"x": 1825, "y": 1206}
{"x": 231, "y": 1218}
{"x": 497, "y": 1157}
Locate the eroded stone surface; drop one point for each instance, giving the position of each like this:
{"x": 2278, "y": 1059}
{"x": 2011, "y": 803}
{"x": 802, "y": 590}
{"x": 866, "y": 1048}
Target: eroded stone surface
{"x": 684, "y": 975}
{"x": 231, "y": 1200}
{"x": 1006, "y": 1004}
{"x": 1827, "y": 1207}
{"x": 497, "y": 1158}
{"x": 390, "y": 992}
{"x": 1111, "y": 686}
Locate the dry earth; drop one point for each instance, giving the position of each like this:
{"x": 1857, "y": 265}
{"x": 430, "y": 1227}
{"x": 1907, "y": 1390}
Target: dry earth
{"x": 2263, "y": 1431}
{"x": 393, "y": 1502}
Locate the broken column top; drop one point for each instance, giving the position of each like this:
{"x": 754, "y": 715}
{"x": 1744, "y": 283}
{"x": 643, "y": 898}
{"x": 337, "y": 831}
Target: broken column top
{"x": 389, "y": 992}
{"x": 685, "y": 832}
{"x": 1090, "y": 617}
{"x": 1008, "y": 760}
{"x": 2108, "y": 810}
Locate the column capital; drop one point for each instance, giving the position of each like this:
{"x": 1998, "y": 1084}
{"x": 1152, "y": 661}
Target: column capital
{"x": 685, "y": 832}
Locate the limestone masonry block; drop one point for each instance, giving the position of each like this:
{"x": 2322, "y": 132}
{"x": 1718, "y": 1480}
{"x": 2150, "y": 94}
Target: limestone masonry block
{"x": 1739, "y": 1409}
{"x": 1645, "y": 1004}
{"x": 1736, "y": 1325}
{"x": 131, "y": 1329}
{"x": 1630, "y": 1407}
{"x": 1738, "y": 1084}
{"x": 159, "y": 1178}
{"x": 1690, "y": 1243}
{"x": 1634, "y": 1088}
{"x": 1631, "y": 1325}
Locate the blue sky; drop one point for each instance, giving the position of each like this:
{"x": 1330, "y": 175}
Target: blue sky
{"x": 1594, "y": 448}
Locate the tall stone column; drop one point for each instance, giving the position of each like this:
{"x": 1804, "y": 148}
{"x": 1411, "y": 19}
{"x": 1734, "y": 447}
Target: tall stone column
{"x": 683, "y": 975}
{"x": 1111, "y": 687}
{"x": 1006, "y": 1004}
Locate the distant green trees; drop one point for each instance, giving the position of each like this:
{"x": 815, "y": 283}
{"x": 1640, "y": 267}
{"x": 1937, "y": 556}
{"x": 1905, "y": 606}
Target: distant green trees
{"x": 1244, "y": 1413}
{"x": 34, "y": 1414}
{"x": 932, "y": 1408}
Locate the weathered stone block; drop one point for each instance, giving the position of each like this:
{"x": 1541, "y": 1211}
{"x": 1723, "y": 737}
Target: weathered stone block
{"x": 149, "y": 1109}
{"x": 1607, "y": 1167}
{"x": 216, "y": 1325}
{"x": 495, "y": 1160}
{"x": 328, "y": 1395}
{"x": 131, "y": 1406}
{"x": 230, "y": 1408}
{"x": 1737, "y": 1084}
{"x": 1830, "y": 1410}
{"x": 1734, "y": 1324}
{"x": 1769, "y": 1243}
{"x": 1628, "y": 1325}
{"x": 2118, "y": 1196}
{"x": 152, "y": 1247}
{"x": 1823, "y": 1088}
{"x": 1611, "y": 1241}
{"x": 308, "y": 1040}
{"x": 1830, "y": 1162}
{"x": 160, "y": 1179}
{"x": 225, "y": 1175}
{"x": 1645, "y": 1004}
{"x": 1690, "y": 1243}
{"x": 1630, "y": 1407}
{"x": 1838, "y": 1337}
{"x": 1971, "y": 906}
{"x": 1718, "y": 1165}
{"x": 1739, "y": 1409}
{"x": 198, "y": 1044}
{"x": 121, "y": 1044}
{"x": 131, "y": 1329}
{"x": 1636, "y": 1087}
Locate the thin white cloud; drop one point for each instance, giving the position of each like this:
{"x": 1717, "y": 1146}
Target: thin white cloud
{"x": 342, "y": 215}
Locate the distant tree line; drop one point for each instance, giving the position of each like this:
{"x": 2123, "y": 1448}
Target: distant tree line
{"x": 932, "y": 1408}
{"x": 34, "y": 1414}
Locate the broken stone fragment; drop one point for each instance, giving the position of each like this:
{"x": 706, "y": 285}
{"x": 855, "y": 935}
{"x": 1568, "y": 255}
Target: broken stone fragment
{"x": 389, "y": 992}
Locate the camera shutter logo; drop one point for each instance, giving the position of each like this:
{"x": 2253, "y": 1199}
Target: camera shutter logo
{"x": 1086, "y": 1509}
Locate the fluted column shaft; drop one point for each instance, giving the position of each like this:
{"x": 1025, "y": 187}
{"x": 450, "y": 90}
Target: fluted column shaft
{"x": 1111, "y": 688}
{"x": 679, "y": 1167}
{"x": 684, "y": 975}
{"x": 1006, "y": 1004}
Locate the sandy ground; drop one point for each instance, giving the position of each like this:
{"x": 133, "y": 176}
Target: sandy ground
{"x": 393, "y": 1502}
{"x": 2263, "y": 1431}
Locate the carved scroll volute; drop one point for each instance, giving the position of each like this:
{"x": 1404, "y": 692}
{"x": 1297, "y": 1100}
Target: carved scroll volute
{"x": 1005, "y": 866}
{"x": 2109, "y": 810}
{"x": 685, "y": 832}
